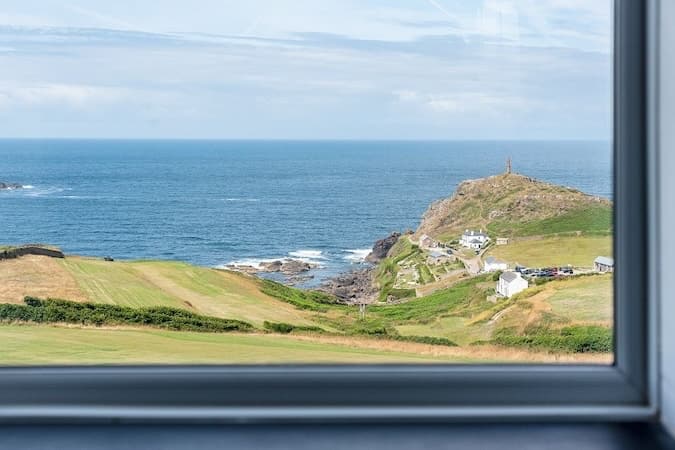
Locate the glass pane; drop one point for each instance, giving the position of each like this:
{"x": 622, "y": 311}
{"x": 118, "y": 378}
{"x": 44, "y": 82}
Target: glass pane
{"x": 306, "y": 182}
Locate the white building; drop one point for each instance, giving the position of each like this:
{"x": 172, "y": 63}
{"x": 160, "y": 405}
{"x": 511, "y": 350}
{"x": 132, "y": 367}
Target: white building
{"x": 603, "y": 264}
{"x": 492, "y": 264}
{"x": 474, "y": 239}
{"x": 510, "y": 283}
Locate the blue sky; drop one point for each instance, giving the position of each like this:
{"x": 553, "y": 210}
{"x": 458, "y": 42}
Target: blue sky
{"x": 306, "y": 69}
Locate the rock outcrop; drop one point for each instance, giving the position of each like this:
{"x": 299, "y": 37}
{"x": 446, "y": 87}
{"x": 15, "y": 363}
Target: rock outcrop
{"x": 382, "y": 247}
{"x": 16, "y": 252}
{"x": 288, "y": 267}
{"x": 353, "y": 287}
{"x": 9, "y": 186}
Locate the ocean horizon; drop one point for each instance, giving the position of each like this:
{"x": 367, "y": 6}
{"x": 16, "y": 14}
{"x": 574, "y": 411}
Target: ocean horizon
{"x": 216, "y": 202}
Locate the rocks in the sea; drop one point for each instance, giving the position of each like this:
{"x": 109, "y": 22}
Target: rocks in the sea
{"x": 382, "y": 247}
{"x": 288, "y": 267}
{"x": 274, "y": 266}
{"x": 9, "y": 186}
{"x": 293, "y": 267}
{"x": 356, "y": 286}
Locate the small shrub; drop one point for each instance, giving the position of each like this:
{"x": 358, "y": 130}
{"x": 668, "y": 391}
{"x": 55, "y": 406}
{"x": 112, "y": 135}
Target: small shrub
{"x": 574, "y": 339}
{"x": 285, "y": 328}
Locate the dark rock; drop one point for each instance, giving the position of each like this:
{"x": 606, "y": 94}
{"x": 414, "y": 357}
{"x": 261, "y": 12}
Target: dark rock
{"x": 294, "y": 267}
{"x": 17, "y": 252}
{"x": 382, "y": 247}
{"x": 274, "y": 266}
{"x": 352, "y": 287}
{"x": 9, "y": 186}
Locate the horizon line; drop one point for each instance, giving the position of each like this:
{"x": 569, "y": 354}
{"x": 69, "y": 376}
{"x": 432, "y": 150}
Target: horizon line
{"x": 220, "y": 139}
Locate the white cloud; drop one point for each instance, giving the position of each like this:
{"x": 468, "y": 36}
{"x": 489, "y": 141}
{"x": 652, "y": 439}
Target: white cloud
{"x": 464, "y": 102}
{"x": 71, "y": 95}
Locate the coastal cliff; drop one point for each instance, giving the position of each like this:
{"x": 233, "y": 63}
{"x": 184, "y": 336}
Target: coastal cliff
{"x": 515, "y": 205}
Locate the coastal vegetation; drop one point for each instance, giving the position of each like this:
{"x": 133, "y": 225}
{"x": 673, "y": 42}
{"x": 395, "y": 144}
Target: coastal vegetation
{"x": 430, "y": 304}
{"x": 62, "y": 311}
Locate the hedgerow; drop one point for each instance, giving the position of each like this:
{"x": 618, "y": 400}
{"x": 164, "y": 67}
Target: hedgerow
{"x": 63, "y": 311}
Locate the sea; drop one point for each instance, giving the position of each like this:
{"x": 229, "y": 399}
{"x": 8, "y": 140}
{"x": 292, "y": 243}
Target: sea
{"x": 214, "y": 203}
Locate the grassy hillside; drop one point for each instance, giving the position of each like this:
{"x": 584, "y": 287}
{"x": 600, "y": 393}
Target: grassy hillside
{"x": 544, "y": 323}
{"x": 512, "y": 205}
{"x": 146, "y": 284}
{"x": 469, "y": 318}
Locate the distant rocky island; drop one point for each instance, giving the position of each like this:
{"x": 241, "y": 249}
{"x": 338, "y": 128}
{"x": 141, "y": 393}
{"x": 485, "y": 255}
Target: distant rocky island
{"x": 10, "y": 186}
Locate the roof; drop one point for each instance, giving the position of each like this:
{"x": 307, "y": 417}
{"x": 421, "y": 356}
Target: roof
{"x": 493, "y": 260}
{"x": 605, "y": 261}
{"x": 475, "y": 241}
{"x": 509, "y": 276}
{"x": 474, "y": 233}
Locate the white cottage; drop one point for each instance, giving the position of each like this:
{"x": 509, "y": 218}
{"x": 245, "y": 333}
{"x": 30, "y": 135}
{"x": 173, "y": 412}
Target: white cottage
{"x": 603, "y": 264}
{"x": 474, "y": 239}
{"x": 510, "y": 283}
{"x": 492, "y": 264}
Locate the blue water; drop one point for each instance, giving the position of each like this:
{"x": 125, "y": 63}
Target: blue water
{"x": 214, "y": 202}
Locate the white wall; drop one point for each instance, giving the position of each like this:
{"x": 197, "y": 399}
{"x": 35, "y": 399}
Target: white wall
{"x": 666, "y": 144}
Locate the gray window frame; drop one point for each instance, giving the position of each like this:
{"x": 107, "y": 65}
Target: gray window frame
{"x": 622, "y": 391}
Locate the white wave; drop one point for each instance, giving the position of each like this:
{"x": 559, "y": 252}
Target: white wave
{"x": 249, "y": 262}
{"x": 29, "y": 186}
{"x": 237, "y": 199}
{"x": 357, "y": 255}
{"x": 307, "y": 254}
{"x": 41, "y": 192}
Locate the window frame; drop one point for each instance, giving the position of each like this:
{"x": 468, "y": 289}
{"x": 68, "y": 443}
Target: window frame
{"x": 622, "y": 391}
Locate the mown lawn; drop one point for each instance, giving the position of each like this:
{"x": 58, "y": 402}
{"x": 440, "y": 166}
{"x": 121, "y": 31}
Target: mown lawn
{"x": 31, "y": 345}
{"x": 579, "y": 251}
{"x": 179, "y": 285}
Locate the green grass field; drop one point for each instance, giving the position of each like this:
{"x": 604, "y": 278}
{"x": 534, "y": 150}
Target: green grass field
{"x": 460, "y": 314}
{"x": 179, "y": 285}
{"x": 35, "y": 345}
{"x": 463, "y": 314}
{"x": 579, "y": 251}
{"x": 585, "y": 300}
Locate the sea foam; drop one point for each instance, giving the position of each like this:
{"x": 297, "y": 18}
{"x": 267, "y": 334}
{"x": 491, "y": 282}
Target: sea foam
{"x": 307, "y": 254}
{"x": 357, "y": 255}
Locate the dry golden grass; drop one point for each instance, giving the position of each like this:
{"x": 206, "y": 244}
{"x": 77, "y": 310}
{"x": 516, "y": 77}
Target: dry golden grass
{"x": 38, "y": 276}
{"x": 475, "y": 353}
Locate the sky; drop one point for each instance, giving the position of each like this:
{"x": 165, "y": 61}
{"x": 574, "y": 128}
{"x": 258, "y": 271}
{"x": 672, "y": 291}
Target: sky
{"x": 306, "y": 69}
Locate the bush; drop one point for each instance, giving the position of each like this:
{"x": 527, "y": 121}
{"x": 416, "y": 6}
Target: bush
{"x": 285, "y": 328}
{"x": 62, "y": 311}
{"x": 309, "y": 300}
{"x": 426, "y": 340}
{"x": 574, "y": 339}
